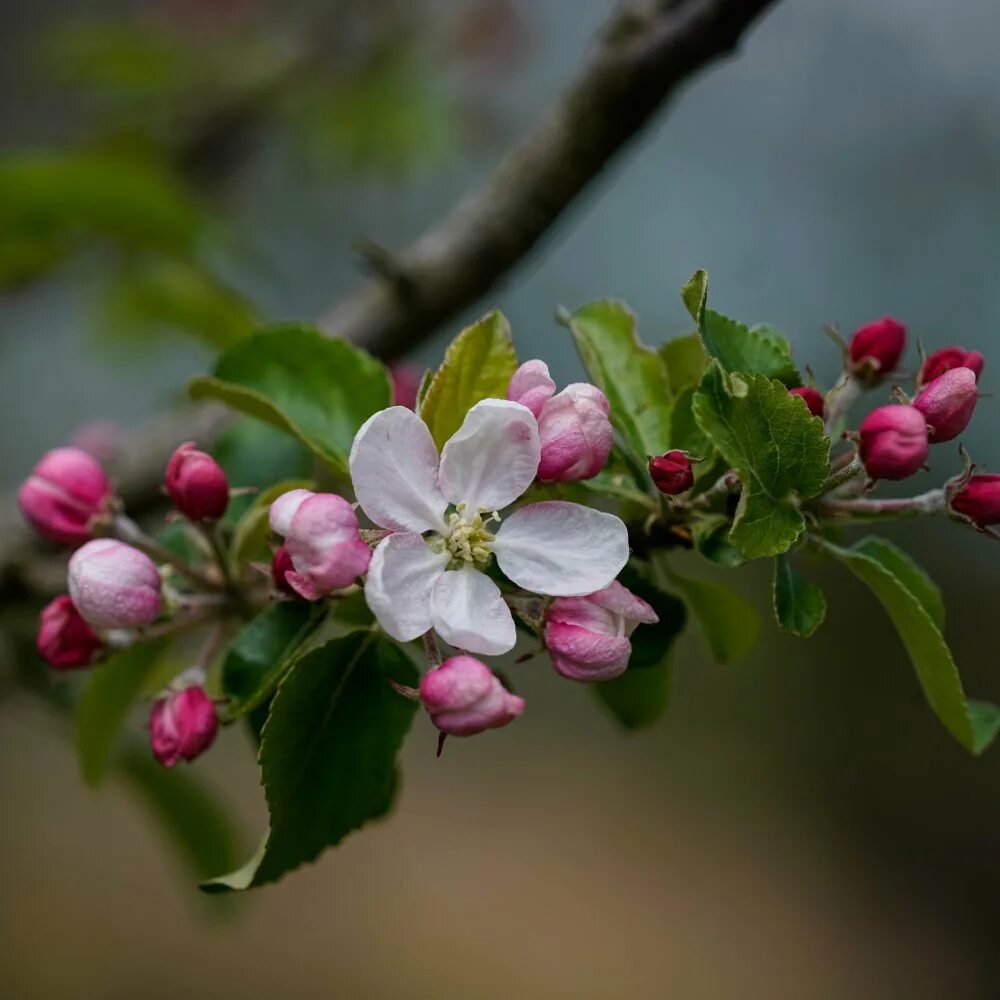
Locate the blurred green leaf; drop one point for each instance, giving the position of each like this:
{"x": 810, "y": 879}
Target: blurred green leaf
{"x": 799, "y": 606}
{"x": 915, "y": 578}
{"x": 780, "y": 452}
{"x": 685, "y": 359}
{"x": 638, "y": 698}
{"x": 929, "y": 653}
{"x": 478, "y": 365}
{"x": 328, "y": 755}
{"x": 318, "y": 389}
{"x": 252, "y": 529}
{"x": 711, "y": 538}
{"x": 112, "y": 689}
{"x": 632, "y": 376}
{"x": 651, "y": 644}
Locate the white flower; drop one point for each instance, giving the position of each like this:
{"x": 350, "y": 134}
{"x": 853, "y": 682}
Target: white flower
{"x": 429, "y": 572}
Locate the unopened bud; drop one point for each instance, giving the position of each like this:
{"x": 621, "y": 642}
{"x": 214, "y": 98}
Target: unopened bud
{"x": 281, "y": 566}
{"x": 196, "y": 484}
{"x": 876, "y": 348}
{"x": 463, "y": 697}
{"x": 893, "y": 442}
{"x": 323, "y": 541}
{"x": 64, "y": 639}
{"x": 182, "y": 725}
{"x": 672, "y": 473}
{"x": 942, "y": 361}
{"x": 813, "y": 399}
{"x": 588, "y": 637}
{"x": 947, "y": 403}
{"x": 66, "y": 490}
{"x": 531, "y": 386}
{"x": 575, "y": 434}
{"x": 406, "y": 381}
{"x": 979, "y": 500}
{"x": 114, "y": 585}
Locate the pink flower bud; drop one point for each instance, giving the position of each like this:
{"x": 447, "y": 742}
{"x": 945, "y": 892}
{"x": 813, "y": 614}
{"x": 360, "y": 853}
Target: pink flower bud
{"x": 813, "y": 399}
{"x": 947, "y": 403}
{"x": 588, "y": 637}
{"x": 323, "y": 541}
{"x": 102, "y": 439}
{"x": 406, "y": 381}
{"x": 281, "y": 566}
{"x": 114, "y": 585}
{"x": 575, "y": 434}
{"x": 942, "y": 361}
{"x": 463, "y": 698}
{"x": 66, "y": 490}
{"x": 64, "y": 639}
{"x": 876, "y": 347}
{"x": 182, "y": 725}
{"x": 196, "y": 484}
{"x": 979, "y": 501}
{"x": 672, "y": 473}
{"x": 893, "y": 442}
{"x": 531, "y": 386}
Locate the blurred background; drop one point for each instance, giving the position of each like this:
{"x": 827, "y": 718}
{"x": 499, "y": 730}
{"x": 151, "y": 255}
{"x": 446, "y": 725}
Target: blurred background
{"x": 799, "y": 824}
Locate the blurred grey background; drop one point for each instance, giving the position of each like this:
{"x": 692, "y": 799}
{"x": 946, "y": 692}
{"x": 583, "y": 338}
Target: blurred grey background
{"x": 799, "y": 825}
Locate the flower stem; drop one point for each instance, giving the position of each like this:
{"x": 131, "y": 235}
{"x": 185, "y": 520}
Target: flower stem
{"x": 931, "y": 502}
{"x": 431, "y": 648}
{"x": 126, "y": 530}
{"x": 840, "y": 399}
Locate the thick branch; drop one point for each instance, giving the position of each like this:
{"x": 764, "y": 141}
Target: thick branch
{"x": 643, "y": 53}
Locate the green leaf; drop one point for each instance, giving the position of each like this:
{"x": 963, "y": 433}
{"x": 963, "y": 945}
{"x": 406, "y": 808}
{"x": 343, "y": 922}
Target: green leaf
{"x": 915, "y": 578}
{"x": 112, "y": 689}
{"x": 316, "y": 388}
{"x": 638, "y": 698}
{"x": 936, "y": 671}
{"x": 651, "y": 644}
{"x": 199, "y": 830}
{"x": 685, "y": 359}
{"x": 738, "y": 348}
{"x": 328, "y": 754}
{"x": 263, "y": 649}
{"x": 710, "y": 534}
{"x": 478, "y": 365}
{"x": 799, "y": 606}
{"x": 776, "y": 446}
{"x": 252, "y": 529}
{"x": 728, "y": 621}
{"x": 632, "y": 376}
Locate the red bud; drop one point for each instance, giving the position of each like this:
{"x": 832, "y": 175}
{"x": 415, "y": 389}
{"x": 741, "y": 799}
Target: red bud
{"x": 947, "y": 403}
{"x": 196, "y": 484}
{"x": 281, "y": 566}
{"x": 672, "y": 473}
{"x": 65, "y": 640}
{"x": 876, "y": 348}
{"x": 182, "y": 725}
{"x": 946, "y": 359}
{"x": 979, "y": 501}
{"x": 812, "y": 398}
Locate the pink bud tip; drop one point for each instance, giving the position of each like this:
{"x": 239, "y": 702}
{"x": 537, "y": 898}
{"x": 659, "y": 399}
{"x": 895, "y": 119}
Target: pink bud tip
{"x": 406, "y": 380}
{"x": 979, "y": 500}
{"x": 281, "y": 566}
{"x": 64, "y": 639}
{"x": 588, "y": 637}
{"x": 946, "y": 359}
{"x": 812, "y": 398}
{"x": 876, "y": 347}
{"x": 531, "y": 385}
{"x": 114, "y": 585}
{"x": 893, "y": 442}
{"x": 575, "y": 434}
{"x": 463, "y": 698}
{"x": 196, "y": 484}
{"x": 182, "y": 725}
{"x": 947, "y": 403}
{"x": 672, "y": 473}
{"x": 65, "y": 491}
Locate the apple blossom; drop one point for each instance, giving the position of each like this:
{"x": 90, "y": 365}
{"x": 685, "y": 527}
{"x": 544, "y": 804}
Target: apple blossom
{"x": 979, "y": 499}
{"x": 429, "y": 573}
{"x": 114, "y": 585}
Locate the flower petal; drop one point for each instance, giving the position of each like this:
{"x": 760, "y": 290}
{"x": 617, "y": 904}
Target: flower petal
{"x": 283, "y": 509}
{"x": 531, "y": 385}
{"x": 470, "y": 614}
{"x": 562, "y": 549}
{"x": 401, "y": 576}
{"x": 619, "y": 600}
{"x": 493, "y": 457}
{"x": 394, "y": 470}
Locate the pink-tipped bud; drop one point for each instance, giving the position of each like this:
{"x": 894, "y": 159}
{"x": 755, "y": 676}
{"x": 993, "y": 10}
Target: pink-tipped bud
{"x": 588, "y": 637}
{"x": 406, "y": 381}
{"x": 281, "y": 566}
{"x": 66, "y": 490}
{"x": 531, "y": 386}
{"x": 813, "y": 399}
{"x": 893, "y": 442}
{"x": 936, "y": 364}
{"x": 64, "y": 639}
{"x": 575, "y": 434}
{"x": 947, "y": 403}
{"x": 876, "y": 348}
{"x": 196, "y": 484}
{"x": 672, "y": 473}
{"x": 182, "y": 725}
{"x": 114, "y": 585}
{"x": 323, "y": 542}
{"x": 463, "y": 698}
{"x": 979, "y": 500}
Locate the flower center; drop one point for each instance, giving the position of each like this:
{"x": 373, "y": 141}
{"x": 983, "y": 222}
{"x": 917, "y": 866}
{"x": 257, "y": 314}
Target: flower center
{"x": 469, "y": 539}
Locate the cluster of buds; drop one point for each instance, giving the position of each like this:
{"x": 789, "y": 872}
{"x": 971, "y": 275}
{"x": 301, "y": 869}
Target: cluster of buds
{"x": 116, "y": 587}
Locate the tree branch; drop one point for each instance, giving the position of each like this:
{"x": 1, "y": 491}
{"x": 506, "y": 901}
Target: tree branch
{"x": 643, "y": 53}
